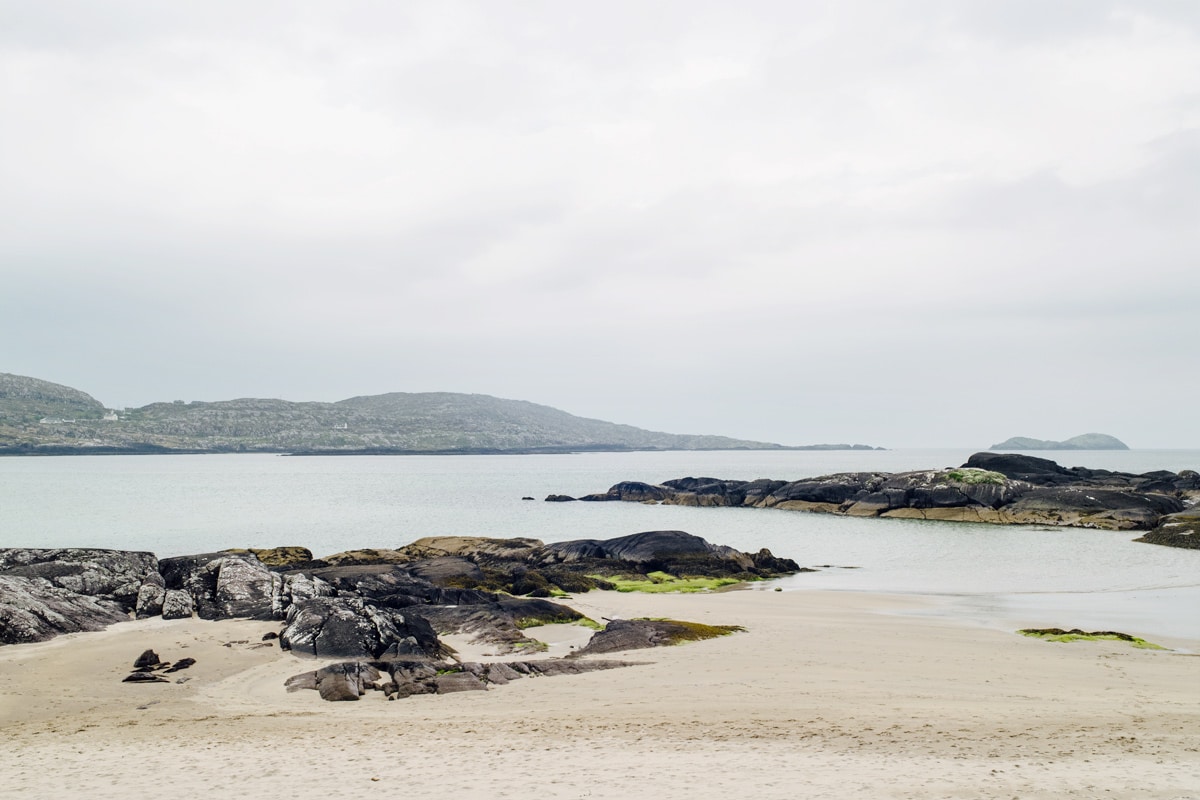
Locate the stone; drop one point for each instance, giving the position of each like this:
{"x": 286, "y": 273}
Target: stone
{"x": 147, "y": 660}
{"x": 150, "y": 596}
{"x": 346, "y": 681}
{"x": 115, "y": 575}
{"x": 177, "y": 604}
{"x": 34, "y": 610}
{"x": 144, "y": 677}
{"x": 349, "y": 627}
{"x": 448, "y": 683}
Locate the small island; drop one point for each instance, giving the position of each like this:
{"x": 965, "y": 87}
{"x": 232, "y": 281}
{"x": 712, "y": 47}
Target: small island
{"x": 1085, "y": 441}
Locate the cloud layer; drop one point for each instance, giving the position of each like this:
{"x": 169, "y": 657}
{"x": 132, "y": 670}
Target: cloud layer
{"x": 910, "y": 224}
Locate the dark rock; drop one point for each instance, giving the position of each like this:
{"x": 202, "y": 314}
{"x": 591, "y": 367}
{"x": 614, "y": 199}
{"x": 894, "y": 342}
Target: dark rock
{"x": 347, "y": 681}
{"x": 1030, "y": 469}
{"x": 1090, "y": 507}
{"x": 350, "y": 680}
{"x": 144, "y": 677}
{"x": 34, "y": 610}
{"x": 1001, "y": 488}
{"x": 150, "y": 596}
{"x": 305, "y": 680}
{"x": 349, "y": 627}
{"x": 444, "y": 569}
{"x": 448, "y": 683}
{"x": 181, "y": 664}
{"x": 1176, "y": 530}
{"x": 177, "y": 604}
{"x": 148, "y": 660}
{"x": 559, "y": 498}
{"x": 225, "y": 585}
{"x": 114, "y": 575}
{"x": 394, "y": 586}
{"x": 636, "y": 634}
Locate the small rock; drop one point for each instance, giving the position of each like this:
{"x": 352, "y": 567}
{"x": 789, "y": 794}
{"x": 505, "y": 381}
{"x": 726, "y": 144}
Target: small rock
{"x": 147, "y": 660}
{"x": 143, "y": 677}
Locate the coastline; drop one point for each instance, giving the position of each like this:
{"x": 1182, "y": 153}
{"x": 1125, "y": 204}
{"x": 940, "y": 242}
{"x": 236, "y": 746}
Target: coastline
{"x": 827, "y": 694}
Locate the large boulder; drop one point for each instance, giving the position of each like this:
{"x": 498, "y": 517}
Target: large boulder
{"x": 499, "y": 625}
{"x": 115, "y": 575}
{"x": 225, "y": 585}
{"x": 1030, "y": 469}
{"x": 637, "y": 634}
{"x": 34, "y": 610}
{"x": 349, "y": 627}
{"x": 150, "y": 596}
{"x": 177, "y": 604}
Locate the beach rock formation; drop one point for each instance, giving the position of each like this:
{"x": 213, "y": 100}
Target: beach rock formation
{"x": 352, "y": 680}
{"x": 349, "y": 627}
{"x": 34, "y": 610}
{"x": 115, "y": 575}
{"x": 530, "y": 567}
{"x": 1176, "y": 530}
{"x": 998, "y": 488}
{"x": 638, "y": 634}
{"x": 370, "y": 604}
{"x": 224, "y": 585}
{"x": 48, "y": 591}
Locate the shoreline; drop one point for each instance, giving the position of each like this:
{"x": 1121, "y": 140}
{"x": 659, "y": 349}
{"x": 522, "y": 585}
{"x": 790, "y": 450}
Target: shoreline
{"x": 826, "y": 694}
{"x": 1010, "y": 611}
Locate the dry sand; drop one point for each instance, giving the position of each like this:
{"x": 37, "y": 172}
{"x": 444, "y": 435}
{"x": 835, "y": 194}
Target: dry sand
{"x": 825, "y": 695}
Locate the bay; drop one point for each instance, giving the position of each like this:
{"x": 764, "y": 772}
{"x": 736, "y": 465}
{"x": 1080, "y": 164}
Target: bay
{"x": 992, "y": 575}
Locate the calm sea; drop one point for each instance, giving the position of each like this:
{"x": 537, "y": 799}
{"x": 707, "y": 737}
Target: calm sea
{"x": 996, "y": 576}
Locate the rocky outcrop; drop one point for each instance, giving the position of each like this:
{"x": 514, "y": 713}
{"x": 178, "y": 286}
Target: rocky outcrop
{"x": 353, "y": 680}
{"x": 34, "y": 610}
{"x": 177, "y": 604}
{"x": 48, "y": 591}
{"x": 1176, "y": 530}
{"x": 288, "y": 557}
{"x": 115, "y": 575}
{"x": 530, "y": 567}
{"x": 350, "y": 627}
{"x": 500, "y": 624}
{"x": 150, "y": 596}
{"x": 999, "y": 488}
{"x": 224, "y": 585}
{"x": 637, "y": 634}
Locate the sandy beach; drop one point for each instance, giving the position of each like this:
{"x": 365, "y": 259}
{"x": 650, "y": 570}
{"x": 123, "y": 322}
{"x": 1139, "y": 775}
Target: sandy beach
{"x": 825, "y": 695}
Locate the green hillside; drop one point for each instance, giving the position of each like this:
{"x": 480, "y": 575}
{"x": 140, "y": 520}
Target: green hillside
{"x": 397, "y": 422}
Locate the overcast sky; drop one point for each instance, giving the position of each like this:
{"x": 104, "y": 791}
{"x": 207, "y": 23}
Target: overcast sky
{"x": 911, "y": 223}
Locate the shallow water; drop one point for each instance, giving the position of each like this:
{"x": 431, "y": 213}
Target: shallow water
{"x": 990, "y": 574}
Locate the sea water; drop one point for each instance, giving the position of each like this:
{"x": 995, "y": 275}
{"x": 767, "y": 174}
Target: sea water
{"x": 993, "y": 575}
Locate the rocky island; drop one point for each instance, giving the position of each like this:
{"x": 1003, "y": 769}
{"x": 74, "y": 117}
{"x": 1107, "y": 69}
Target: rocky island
{"x": 991, "y": 487}
{"x": 1086, "y": 441}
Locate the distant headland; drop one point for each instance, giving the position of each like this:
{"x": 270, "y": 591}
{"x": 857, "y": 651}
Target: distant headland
{"x": 42, "y": 418}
